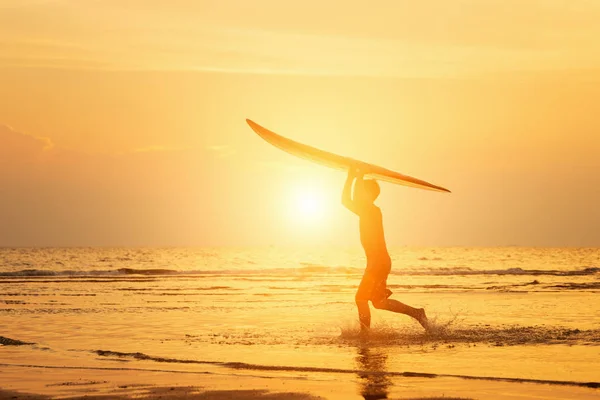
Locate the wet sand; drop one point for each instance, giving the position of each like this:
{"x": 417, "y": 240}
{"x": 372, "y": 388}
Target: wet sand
{"x": 79, "y": 383}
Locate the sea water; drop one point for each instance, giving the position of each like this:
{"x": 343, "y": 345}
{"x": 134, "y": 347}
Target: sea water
{"x": 496, "y": 313}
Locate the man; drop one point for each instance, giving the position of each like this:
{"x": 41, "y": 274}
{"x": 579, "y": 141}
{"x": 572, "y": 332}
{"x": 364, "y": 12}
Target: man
{"x": 373, "y": 284}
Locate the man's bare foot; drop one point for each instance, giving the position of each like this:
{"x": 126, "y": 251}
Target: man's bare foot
{"x": 422, "y": 318}
{"x": 364, "y": 333}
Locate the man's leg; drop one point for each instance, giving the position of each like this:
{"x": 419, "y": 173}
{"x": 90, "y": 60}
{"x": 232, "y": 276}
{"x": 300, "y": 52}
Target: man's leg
{"x": 363, "y": 294}
{"x": 401, "y": 308}
{"x": 364, "y": 314}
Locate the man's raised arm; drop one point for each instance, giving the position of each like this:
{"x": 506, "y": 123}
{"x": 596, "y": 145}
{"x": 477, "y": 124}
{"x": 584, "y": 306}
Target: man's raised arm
{"x": 347, "y": 200}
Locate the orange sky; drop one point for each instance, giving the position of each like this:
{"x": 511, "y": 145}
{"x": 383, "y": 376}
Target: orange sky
{"x": 123, "y": 123}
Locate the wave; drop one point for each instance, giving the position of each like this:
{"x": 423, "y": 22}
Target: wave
{"x": 508, "y": 271}
{"x": 150, "y": 271}
{"x": 448, "y": 334}
{"x": 237, "y": 365}
{"x": 362, "y": 373}
{"x": 4, "y": 341}
{"x": 49, "y": 273}
{"x": 305, "y": 270}
{"x": 176, "y": 289}
{"x": 442, "y": 333}
{"x": 536, "y": 286}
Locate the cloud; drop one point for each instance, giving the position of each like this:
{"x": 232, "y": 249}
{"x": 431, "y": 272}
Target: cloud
{"x": 437, "y": 38}
{"x": 222, "y": 151}
{"x": 52, "y": 196}
{"x": 157, "y": 148}
{"x": 21, "y": 147}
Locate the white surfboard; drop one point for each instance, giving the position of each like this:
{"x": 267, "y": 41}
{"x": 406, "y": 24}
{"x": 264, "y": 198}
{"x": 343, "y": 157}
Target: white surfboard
{"x": 339, "y": 162}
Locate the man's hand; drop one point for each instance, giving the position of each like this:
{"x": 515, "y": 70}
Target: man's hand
{"x": 355, "y": 172}
{"x": 352, "y": 172}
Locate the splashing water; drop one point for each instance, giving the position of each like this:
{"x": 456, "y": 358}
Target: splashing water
{"x": 441, "y": 329}
{"x": 382, "y": 331}
{"x": 454, "y": 331}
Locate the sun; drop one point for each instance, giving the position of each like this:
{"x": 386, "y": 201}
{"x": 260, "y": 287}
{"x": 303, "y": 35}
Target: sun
{"x": 307, "y": 205}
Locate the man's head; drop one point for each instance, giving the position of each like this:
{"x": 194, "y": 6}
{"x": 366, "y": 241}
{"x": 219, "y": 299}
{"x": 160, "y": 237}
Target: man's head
{"x": 367, "y": 192}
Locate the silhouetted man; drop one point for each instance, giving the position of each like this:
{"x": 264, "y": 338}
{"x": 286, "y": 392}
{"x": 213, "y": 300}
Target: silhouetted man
{"x": 373, "y": 284}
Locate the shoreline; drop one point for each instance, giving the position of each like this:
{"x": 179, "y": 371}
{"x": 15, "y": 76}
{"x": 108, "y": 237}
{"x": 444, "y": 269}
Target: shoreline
{"x": 275, "y": 368}
{"x": 39, "y": 382}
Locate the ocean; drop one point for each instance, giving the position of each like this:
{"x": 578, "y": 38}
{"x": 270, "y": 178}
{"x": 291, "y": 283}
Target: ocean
{"x": 507, "y": 313}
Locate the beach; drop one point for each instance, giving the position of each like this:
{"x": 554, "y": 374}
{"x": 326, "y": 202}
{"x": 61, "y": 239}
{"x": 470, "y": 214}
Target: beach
{"x": 281, "y": 323}
{"x": 126, "y": 384}
{"x": 192, "y": 191}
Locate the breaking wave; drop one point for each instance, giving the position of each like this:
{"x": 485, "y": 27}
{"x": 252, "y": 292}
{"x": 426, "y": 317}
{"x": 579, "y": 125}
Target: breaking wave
{"x": 287, "y": 368}
{"x": 304, "y": 270}
{"x": 4, "y": 341}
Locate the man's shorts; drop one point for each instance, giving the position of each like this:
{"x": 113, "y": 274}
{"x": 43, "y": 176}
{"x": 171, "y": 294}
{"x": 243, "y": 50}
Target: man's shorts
{"x": 373, "y": 286}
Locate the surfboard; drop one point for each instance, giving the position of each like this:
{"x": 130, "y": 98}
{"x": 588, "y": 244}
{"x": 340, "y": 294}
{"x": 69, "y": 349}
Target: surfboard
{"x": 336, "y": 161}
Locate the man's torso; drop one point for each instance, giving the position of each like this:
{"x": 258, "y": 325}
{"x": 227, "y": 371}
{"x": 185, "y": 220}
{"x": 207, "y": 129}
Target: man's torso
{"x": 373, "y": 240}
